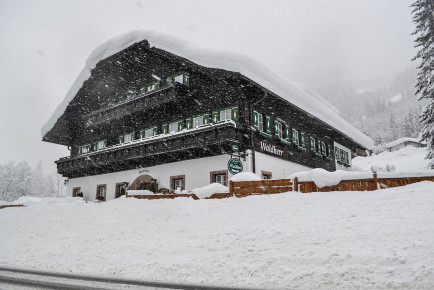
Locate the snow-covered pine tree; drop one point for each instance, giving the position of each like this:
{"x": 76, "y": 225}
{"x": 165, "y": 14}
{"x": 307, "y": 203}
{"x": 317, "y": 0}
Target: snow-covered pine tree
{"x": 423, "y": 17}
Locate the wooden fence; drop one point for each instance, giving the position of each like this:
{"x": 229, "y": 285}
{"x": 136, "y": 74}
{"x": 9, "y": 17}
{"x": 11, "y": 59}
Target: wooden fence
{"x": 366, "y": 184}
{"x": 267, "y": 186}
{"x": 247, "y": 188}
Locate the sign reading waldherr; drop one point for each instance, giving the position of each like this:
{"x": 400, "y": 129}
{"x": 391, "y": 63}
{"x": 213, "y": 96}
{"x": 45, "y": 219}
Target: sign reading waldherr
{"x": 145, "y": 118}
{"x": 235, "y": 166}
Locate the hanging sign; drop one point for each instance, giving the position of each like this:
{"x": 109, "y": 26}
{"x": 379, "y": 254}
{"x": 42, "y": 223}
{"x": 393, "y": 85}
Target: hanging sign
{"x": 235, "y": 166}
{"x": 234, "y": 148}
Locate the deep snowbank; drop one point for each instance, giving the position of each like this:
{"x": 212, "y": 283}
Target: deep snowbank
{"x": 295, "y": 93}
{"x": 379, "y": 239}
{"x": 405, "y": 159}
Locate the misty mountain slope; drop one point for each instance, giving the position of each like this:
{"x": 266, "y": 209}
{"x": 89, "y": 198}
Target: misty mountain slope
{"x": 385, "y": 110}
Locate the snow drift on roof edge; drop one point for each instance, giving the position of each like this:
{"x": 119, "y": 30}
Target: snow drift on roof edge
{"x": 295, "y": 93}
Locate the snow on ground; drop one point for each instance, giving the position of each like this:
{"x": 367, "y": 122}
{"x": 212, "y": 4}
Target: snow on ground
{"x": 378, "y": 239}
{"x": 406, "y": 159}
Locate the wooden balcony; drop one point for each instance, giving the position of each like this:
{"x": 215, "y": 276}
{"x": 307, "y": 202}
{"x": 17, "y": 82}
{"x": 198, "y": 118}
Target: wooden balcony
{"x": 138, "y": 104}
{"x": 208, "y": 140}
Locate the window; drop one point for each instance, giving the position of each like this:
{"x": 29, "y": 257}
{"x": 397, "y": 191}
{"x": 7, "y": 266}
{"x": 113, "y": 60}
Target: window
{"x": 225, "y": 115}
{"x": 76, "y": 191}
{"x": 173, "y": 127}
{"x": 260, "y": 122}
{"x": 150, "y": 88}
{"x": 323, "y": 148}
{"x": 278, "y": 129}
{"x": 176, "y": 182}
{"x": 182, "y": 79}
{"x": 312, "y": 144}
{"x": 84, "y": 149}
{"x": 302, "y": 139}
{"x": 126, "y": 138}
{"x": 101, "y": 192}
{"x": 266, "y": 174}
{"x": 120, "y": 189}
{"x": 219, "y": 177}
{"x": 197, "y": 121}
{"x": 295, "y": 138}
{"x": 148, "y": 132}
{"x": 328, "y": 150}
{"x": 100, "y": 145}
{"x": 337, "y": 155}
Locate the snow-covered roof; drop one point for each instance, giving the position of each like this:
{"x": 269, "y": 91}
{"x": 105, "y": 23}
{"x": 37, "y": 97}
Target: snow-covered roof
{"x": 295, "y": 93}
{"x": 401, "y": 140}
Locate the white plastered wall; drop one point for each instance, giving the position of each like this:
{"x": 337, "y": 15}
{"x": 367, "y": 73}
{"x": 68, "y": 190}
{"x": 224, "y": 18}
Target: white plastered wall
{"x": 278, "y": 167}
{"x": 196, "y": 171}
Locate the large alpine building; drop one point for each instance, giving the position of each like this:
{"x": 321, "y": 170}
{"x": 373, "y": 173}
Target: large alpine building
{"x": 152, "y": 112}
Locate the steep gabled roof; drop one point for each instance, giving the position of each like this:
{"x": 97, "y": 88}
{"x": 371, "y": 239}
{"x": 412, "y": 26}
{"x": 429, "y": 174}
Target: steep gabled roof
{"x": 297, "y": 94}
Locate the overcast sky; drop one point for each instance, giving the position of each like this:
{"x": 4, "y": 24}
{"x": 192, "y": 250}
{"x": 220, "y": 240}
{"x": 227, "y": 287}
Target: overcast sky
{"x": 44, "y": 45}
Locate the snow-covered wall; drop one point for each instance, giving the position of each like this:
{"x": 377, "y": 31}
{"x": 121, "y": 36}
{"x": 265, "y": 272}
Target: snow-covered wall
{"x": 295, "y": 93}
{"x": 196, "y": 171}
{"x": 278, "y": 167}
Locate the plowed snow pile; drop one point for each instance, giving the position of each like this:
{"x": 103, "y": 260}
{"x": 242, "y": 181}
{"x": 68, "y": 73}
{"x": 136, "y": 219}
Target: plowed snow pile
{"x": 346, "y": 240}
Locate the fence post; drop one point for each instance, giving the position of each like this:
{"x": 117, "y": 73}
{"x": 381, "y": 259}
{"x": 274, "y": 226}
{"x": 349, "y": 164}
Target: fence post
{"x": 296, "y": 184}
{"x": 375, "y": 181}
{"x": 231, "y": 188}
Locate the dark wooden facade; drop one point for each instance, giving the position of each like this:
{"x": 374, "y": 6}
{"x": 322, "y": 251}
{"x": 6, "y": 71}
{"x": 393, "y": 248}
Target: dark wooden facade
{"x": 85, "y": 121}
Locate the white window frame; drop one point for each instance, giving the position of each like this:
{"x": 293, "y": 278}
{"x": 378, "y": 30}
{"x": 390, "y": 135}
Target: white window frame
{"x": 178, "y": 182}
{"x": 260, "y": 122}
{"x": 197, "y": 121}
{"x": 131, "y": 137}
{"x": 148, "y": 133}
{"x": 224, "y": 115}
{"x": 280, "y": 129}
{"x": 221, "y": 178}
{"x": 85, "y": 148}
{"x": 295, "y": 137}
{"x": 174, "y": 126}
{"x": 100, "y": 145}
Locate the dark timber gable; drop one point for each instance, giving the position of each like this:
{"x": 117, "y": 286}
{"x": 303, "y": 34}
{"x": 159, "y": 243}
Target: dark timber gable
{"x": 101, "y": 110}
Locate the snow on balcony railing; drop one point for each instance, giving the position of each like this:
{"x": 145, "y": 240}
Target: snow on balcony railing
{"x": 156, "y": 137}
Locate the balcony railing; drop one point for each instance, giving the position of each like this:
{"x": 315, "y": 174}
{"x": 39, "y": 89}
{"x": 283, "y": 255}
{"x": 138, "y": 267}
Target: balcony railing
{"x": 139, "y": 103}
{"x": 132, "y": 153}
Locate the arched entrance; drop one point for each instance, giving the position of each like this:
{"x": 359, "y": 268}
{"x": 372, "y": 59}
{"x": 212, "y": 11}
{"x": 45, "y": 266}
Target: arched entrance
{"x": 144, "y": 181}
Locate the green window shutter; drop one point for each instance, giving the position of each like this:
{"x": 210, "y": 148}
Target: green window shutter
{"x": 133, "y": 136}
{"x": 302, "y": 139}
{"x": 215, "y": 116}
{"x": 293, "y": 135}
{"x": 141, "y": 134}
{"x": 189, "y": 123}
{"x": 121, "y": 139}
{"x": 255, "y": 119}
{"x": 155, "y": 131}
{"x": 268, "y": 124}
{"x": 312, "y": 143}
{"x": 180, "y": 125}
{"x": 287, "y": 132}
{"x": 79, "y": 150}
{"x": 235, "y": 114}
{"x": 206, "y": 118}
{"x": 169, "y": 80}
{"x": 165, "y": 128}
{"x": 157, "y": 85}
{"x": 105, "y": 143}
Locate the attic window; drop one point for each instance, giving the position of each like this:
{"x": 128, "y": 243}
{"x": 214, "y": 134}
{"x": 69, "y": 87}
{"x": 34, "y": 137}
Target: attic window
{"x": 182, "y": 78}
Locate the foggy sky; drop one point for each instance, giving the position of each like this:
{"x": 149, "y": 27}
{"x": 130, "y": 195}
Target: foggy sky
{"x": 44, "y": 45}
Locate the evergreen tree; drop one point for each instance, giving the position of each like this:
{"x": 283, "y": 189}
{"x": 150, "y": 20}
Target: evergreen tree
{"x": 393, "y": 128}
{"x": 423, "y": 17}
